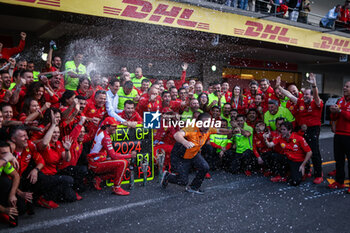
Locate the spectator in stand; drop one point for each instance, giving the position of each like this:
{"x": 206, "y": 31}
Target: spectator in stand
{"x": 137, "y": 78}
{"x": 296, "y": 152}
{"x": 251, "y": 5}
{"x": 332, "y": 15}
{"x": 243, "y": 4}
{"x": 341, "y": 114}
{"x": 113, "y": 100}
{"x": 6, "y": 53}
{"x": 76, "y": 70}
{"x": 305, "y": 9}
{"x": 113, "y": 168}
{"x": 344, "y": 13}
{"x": 274, "y": 112}
{"x": 294, "y": 7}
{"x": 237, "y": 101}
{"x": 127, "y": 92}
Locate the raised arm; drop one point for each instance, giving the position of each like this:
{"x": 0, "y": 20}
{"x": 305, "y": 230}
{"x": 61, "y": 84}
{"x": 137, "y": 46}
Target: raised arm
{"x": 284, "y": 91}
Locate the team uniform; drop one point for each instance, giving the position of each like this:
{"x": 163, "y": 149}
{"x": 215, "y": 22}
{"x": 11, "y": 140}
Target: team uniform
{"x": 294, "y": 149}
{"x": 103, "y": 160}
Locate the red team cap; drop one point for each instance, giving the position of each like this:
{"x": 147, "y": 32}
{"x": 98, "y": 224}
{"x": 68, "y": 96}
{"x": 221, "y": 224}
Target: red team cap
{"x": 110, "y": 121}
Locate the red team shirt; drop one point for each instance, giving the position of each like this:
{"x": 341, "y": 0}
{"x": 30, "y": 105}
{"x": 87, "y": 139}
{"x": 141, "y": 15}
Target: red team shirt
{"x": 342, "y": 118}
{"x": 295, "y": 148}
{"x": 26, "y": 155}
{"x": 309, "y": 114}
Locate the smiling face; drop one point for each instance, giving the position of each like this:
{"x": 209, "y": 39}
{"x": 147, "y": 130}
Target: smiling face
{"x": 55, "y": 135}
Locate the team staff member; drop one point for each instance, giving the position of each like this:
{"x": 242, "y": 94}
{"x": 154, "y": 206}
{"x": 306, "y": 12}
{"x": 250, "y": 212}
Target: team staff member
{"x": 186, "y": 153}
{"x": 115, "y": 166}
{"x": 341, "y": 114}
{"x": 296, "y": 149}
{"x": 76, "y": 70}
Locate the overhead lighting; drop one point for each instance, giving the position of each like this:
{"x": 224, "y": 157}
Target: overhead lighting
{"x": 307, "y": 75}
{"x": 247, "y": 76}
{"x": 44, "y": 56}
{"x": 213, "y": 68}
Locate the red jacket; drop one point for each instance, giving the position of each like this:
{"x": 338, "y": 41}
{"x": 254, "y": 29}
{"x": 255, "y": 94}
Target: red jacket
{"x": 342, "y": 118}
{"x": 26, "y": 156}
{"x": 6, "y": 53}
{"x": 295, "y": 148}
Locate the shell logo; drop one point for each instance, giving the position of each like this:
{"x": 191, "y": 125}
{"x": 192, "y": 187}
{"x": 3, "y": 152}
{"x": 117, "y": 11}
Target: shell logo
{"x": 302, "y": 108}
{"x": 294, "y": 140}
{"x": 93, "y": 110}
{"x": 291, "y": 108}
{"x": 283, "y": 145}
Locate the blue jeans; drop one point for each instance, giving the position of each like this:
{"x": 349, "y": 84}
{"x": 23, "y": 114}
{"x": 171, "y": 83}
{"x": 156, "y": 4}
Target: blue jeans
{"x": 243, "y": 4}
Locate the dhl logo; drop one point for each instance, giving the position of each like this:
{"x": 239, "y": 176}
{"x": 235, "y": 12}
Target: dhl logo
{"x": 335, "y": 45}
{"x": 270, "y": 32}
{"x": 55, "y": 3}
{"x": 140, "y": 9}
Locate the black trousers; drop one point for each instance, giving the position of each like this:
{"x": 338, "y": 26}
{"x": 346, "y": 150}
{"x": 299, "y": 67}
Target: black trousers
{"x": 267, "y": 157}
{"x": 209, "y": 154}
{"x": 240, "y": 162}
{"x": 181, "y": 167}
{"x": 295, "y": 175}
{"x": 280, "y": 164}
{"x": 341, "y": 149}
{"x": 78, "y": 173}
{"x": 312, "y": 136}
{"x": 5, "y": 188}
{"x": 56, "y": 187}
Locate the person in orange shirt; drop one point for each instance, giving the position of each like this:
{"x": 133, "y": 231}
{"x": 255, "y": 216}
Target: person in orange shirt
{"x": 186, "y": 153}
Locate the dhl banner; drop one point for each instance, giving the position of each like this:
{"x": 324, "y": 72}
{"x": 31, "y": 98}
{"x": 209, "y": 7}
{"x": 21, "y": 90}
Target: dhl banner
{"x": 180, "y": 15}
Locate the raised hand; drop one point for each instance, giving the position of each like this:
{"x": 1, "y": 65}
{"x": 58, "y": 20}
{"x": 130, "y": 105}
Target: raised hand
{"x": 23, "y": 35}
{"x": 184, "y": 66}
{"x": 67, "y": 143}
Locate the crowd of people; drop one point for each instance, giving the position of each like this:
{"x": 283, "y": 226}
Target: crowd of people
{"x": 295, "y": 10}
{"x": 56, "y": 128}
